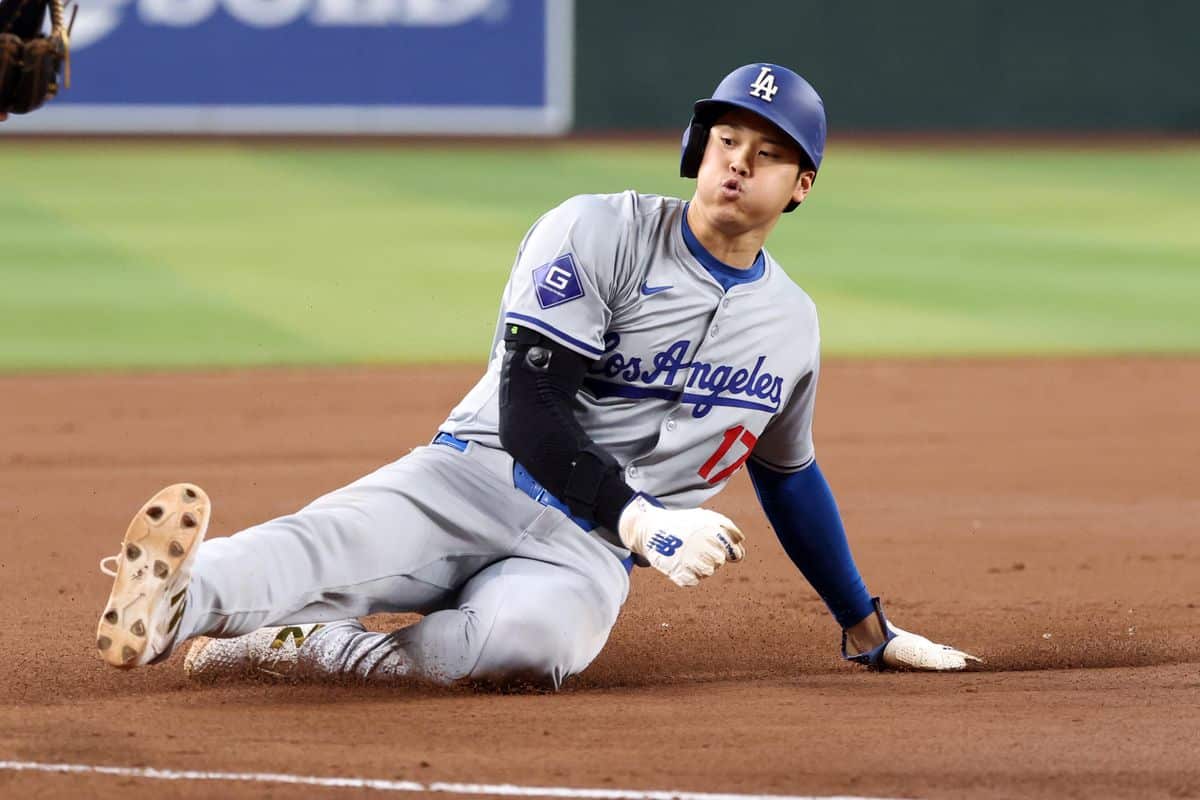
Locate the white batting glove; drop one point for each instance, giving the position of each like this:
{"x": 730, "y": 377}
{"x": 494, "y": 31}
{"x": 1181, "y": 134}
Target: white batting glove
{"x": 913, "y": 651}
{"x": 899, "y": 649}
{"x": 684, "y": 545}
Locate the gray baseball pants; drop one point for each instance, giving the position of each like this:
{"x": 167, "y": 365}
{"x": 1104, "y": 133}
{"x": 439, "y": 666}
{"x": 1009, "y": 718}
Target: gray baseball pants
{"x": 512, "y": 590}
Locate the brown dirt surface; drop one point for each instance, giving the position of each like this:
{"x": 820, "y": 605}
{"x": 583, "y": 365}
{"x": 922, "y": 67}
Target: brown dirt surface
{"x": 1042, "y": 514}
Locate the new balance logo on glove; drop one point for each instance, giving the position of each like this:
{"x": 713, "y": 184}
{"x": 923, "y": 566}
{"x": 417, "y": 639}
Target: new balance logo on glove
{"x": 667, "y": 545}
{"x": 685, "y": 544}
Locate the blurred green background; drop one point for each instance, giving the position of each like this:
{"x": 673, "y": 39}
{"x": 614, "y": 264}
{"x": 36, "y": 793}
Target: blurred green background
{"x": 176, "y": 254}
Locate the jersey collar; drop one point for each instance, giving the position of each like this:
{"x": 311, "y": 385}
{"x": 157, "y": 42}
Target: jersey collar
{"x": 721, "y": 272}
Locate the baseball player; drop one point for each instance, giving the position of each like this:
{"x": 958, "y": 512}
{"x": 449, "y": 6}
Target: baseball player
{"x": 646, "y": 349}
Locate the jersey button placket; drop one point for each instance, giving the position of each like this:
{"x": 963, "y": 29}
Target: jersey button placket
{"x": 632, "y": 471}
{"x": 715, "y": 328}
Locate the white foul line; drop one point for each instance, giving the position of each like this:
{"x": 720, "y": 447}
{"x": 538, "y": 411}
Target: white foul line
{"x": 479, "y": 789}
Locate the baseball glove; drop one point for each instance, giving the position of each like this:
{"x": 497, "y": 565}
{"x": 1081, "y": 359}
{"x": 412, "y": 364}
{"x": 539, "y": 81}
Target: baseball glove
{"x": 30, "y": 63}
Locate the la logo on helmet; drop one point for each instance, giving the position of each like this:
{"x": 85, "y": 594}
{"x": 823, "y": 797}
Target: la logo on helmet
{"x": 764, "y": 86}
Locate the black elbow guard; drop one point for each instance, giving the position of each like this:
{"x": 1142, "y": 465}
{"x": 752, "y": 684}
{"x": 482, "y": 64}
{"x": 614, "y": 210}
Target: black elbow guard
{"x": 532, "y": 359}
{"x": 538, "y": 383}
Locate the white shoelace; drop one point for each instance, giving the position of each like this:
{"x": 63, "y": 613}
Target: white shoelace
{"x": 107, "y": 570}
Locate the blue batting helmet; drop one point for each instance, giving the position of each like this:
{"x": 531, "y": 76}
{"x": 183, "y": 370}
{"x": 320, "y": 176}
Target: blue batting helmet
{"x": 773, "y": 92}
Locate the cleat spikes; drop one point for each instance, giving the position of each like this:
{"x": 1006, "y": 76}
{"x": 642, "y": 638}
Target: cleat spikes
{"x": 141, "y": 620}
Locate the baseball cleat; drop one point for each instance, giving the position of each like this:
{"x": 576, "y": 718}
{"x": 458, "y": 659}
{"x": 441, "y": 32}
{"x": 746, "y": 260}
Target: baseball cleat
{"x": 267, "y": 651}
{"x": 151, "y": 576}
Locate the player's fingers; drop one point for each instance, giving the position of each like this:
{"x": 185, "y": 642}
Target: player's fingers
{"x": 684, "y": 578}
{"x": 713, "y": 555}
{"x": 740, "y": 551}
{"x": 913, "y": 651}
{"x": 732, "y": 547}
{"x": 717, "y": 518}
{"x": 734, "y": 532}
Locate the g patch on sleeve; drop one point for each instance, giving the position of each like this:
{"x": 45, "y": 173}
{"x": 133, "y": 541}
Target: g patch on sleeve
{"x": 557, "y": 282}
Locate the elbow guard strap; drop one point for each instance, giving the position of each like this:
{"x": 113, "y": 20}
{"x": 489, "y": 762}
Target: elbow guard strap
{"x": 596, "y": 483}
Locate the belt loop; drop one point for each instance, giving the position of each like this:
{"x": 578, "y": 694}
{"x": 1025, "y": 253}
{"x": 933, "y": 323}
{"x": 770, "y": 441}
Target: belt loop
{"x": 450, "y": 440}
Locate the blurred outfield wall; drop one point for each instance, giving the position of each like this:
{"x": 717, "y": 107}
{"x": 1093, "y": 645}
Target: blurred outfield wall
{"x": 463, "y": 67}
{"x": 958, "y": 65}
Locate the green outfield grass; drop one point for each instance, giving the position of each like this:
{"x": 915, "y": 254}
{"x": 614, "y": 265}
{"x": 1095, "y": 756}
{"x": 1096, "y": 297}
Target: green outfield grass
{"x": 140, "y": 255}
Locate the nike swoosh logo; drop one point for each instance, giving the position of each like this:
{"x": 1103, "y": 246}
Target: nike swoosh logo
{"x": 648, "y": 290}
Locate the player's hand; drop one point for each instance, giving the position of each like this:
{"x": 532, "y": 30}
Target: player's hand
{"x": 866, "y": 643}
{"x": 913, "y": 651}
{"x": 684, "y": 545}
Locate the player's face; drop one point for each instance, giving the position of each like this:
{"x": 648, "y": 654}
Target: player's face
{"x": 750, "y": 172}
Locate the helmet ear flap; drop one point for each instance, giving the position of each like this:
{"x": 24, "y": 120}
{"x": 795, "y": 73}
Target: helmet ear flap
{"x": 695, "y": 139}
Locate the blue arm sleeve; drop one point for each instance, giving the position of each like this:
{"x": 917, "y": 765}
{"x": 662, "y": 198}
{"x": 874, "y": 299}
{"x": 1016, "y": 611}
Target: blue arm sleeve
{"x": 801, "y": 508}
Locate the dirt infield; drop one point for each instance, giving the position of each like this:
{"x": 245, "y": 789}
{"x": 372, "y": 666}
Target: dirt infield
{"x": 1041, "y": 514}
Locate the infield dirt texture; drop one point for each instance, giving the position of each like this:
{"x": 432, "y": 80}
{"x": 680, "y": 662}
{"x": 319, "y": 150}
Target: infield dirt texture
{"x": 1039, "y": 512}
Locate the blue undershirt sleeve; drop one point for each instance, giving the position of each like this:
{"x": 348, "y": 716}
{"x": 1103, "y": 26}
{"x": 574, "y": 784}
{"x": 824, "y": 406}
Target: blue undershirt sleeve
{"x": 801, "y": 508}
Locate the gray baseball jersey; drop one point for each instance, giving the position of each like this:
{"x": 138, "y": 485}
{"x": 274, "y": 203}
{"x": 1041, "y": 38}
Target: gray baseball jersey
{"x": 688, "y": 378}
{"x": 696, "y": 367}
